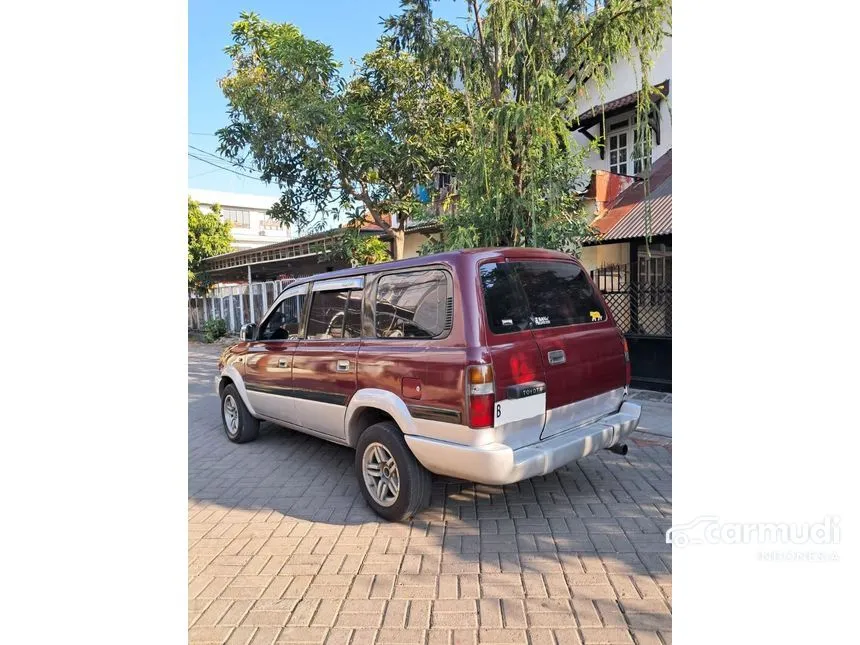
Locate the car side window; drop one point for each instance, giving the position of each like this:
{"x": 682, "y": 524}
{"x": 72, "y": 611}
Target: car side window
{"x": 327, "y": 315}
{"x": 413, "y": 304}
{"x": 284, "y": 321}
{"x": 352, "y": 325}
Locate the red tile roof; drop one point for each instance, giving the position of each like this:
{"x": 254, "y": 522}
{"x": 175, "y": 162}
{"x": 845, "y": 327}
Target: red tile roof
{"x": 625, "y": 219}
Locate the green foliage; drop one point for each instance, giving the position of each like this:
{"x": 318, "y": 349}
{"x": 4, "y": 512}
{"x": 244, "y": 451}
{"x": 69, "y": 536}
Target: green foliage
{"x": 213, "y": 329}
{"x": 207, "y": 236}
{"x": 431, "y": 246}
{"x": 522, "y": 68}
{"x": 331, "y": 143}
{"x": 357, "y": 249}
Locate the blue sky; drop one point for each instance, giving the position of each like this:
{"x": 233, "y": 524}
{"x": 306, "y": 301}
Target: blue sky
{"x": 349, "y": 27}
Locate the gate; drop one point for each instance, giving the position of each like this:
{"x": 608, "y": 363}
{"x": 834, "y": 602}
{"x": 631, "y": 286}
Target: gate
{"x": 640, "y": 299}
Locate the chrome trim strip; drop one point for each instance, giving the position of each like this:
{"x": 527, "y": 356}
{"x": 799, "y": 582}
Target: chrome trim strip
{"x": 341, "y": 283}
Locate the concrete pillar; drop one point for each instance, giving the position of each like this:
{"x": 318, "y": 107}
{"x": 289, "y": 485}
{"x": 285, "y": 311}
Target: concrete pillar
{"x": 251, "y": 294}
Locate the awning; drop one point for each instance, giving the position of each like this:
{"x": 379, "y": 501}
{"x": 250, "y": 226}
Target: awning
{"x": 611, "y": 108}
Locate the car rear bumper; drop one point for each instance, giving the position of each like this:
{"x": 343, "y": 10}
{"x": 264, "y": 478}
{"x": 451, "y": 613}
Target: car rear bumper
{"x": 497, "y": 463}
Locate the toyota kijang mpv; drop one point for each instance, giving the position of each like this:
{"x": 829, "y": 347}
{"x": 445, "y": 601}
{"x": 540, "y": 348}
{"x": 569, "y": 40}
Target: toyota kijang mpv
{"x": 490, "y": 365}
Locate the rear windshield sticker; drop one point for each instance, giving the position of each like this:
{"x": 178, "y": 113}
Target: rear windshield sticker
{"x": 507, "y": 322}
{"x": 540, "y": 320}
{"x": 596, "y": 316}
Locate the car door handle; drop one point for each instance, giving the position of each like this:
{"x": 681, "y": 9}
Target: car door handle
{"x": 283, "y": 362}
{"x": 342, "y": 366}
{"x": 556, "y": 357}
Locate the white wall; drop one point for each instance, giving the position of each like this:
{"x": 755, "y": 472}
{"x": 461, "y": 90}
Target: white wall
{"x": 594, "y": 257}
{"x": 625, "y": 80}
{"x": 243, "y": 238}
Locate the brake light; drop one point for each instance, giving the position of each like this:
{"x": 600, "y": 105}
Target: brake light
{"x": 481, "y": 392}
{"x": 626, "y": 359}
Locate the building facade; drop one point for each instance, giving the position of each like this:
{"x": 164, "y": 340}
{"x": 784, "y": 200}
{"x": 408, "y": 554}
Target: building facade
{"x": 630, "y": 257}
{"x": 252, "y": 228}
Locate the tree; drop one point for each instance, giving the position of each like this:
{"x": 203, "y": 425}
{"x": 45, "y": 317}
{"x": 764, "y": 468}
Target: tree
{"x": 329, "y": 143}
{"x": 207, "y": 236}
{"x": 357, "y": 249}
{"x": 522, "y": 67}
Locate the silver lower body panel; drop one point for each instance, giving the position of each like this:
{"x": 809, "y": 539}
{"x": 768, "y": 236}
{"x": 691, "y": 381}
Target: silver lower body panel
{"x": 498, "y": 463}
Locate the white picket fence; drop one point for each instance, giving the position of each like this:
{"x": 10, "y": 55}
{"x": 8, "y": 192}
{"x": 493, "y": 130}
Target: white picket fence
{"x": 233, "y": 304}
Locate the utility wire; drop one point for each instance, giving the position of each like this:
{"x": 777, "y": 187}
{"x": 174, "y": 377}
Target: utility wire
{"x": 220, "y": 158}
{"x": 241, "y": 174}
{"x": 208, "y": 172}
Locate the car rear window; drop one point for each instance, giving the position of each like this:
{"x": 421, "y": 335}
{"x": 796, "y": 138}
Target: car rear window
{"x": 537, "y": 294}
{"x": 506, "y": 307}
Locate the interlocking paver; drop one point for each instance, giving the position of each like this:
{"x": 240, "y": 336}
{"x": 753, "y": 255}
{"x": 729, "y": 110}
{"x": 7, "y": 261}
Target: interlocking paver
{"x": 282, "y": 547}
{"x": 400, "y": 636}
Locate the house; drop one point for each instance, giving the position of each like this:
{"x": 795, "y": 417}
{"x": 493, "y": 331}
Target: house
{"x": 252, "y": 228}
{"x": 630, "y": 257}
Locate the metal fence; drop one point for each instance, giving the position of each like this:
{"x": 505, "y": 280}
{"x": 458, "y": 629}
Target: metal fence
{"x": 640, "y": 304}
{"x": 237, "y": 304}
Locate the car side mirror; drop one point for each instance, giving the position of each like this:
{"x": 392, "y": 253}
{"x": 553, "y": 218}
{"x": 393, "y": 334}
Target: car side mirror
{"x": 248, "y": 331}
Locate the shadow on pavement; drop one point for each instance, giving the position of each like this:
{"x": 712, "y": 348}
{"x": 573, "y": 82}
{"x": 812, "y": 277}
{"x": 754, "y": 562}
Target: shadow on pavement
{"x": 605, "y": 514}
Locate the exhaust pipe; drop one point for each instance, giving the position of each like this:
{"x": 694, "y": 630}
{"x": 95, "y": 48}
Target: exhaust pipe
{"x": 619, "y": 449}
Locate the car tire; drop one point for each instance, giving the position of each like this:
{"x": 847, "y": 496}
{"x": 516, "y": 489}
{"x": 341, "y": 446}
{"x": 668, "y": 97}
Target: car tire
{"x": 239, "y": 425}
{"x": 380, "y": 444}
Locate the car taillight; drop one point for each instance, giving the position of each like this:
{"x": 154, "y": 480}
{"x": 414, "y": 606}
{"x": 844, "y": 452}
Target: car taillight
{"x": 481, "y": 391}
{"x": 626, "y": 360}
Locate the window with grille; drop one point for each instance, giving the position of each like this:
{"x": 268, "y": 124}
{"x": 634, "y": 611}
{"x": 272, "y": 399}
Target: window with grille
{"x": 619, "y": 147}
{"x": 655, "y": 277}
{"x": 625, "y": 151}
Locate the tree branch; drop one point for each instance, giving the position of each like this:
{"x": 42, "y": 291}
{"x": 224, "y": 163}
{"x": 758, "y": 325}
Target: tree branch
{"x": 564, "y": 61}
{"x": 489, "y": 64}
{"x": 372, "y": 207}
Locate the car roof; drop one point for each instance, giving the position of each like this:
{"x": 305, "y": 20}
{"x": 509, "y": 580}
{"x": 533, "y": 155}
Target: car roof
{"x": 446, "y": 257}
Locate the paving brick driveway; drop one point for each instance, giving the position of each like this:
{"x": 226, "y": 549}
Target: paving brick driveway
{"x": 283, "y": 549}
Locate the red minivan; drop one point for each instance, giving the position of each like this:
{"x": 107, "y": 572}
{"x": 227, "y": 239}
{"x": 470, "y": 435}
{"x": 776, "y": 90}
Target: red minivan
{"x": 490, "y": 365}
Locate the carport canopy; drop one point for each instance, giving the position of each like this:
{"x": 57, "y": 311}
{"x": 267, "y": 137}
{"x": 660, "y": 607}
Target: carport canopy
{"x": 294, "y": 258}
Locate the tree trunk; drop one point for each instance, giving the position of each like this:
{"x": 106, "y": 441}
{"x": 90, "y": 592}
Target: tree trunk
{"x": 399, "y": 235}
